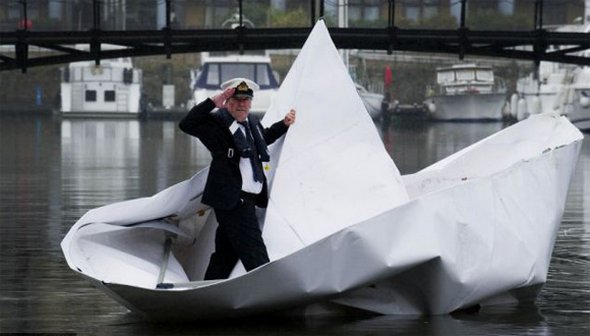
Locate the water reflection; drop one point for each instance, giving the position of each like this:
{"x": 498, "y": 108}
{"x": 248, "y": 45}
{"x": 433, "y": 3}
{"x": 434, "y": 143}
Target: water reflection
{"x": 100, "y": 160}
{"x": 111, "y": 160}
{"x": 52, "y": 171}
{"x": 415, "y": 143}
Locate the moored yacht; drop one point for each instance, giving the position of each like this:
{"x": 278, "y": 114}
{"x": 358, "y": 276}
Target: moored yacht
{"x": 214, "y": 70}
{"x": 555, "y": 87}
{"x": 466, "y": 92}
{"x": 111, "y": 89}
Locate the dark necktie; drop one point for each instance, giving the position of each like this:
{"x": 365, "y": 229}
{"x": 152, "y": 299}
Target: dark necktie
{"x": 254, "y": 161}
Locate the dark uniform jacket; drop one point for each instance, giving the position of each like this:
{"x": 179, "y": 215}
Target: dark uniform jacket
{"x": 224, "y": 183}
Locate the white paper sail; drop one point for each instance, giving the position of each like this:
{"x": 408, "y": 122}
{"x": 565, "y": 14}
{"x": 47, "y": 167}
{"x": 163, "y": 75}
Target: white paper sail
{"x": 478, "y": 226}
{"x": 333, "y": 170}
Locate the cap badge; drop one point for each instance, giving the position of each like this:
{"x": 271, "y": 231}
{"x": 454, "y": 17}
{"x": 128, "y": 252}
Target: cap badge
{"x": 242, "y": 87}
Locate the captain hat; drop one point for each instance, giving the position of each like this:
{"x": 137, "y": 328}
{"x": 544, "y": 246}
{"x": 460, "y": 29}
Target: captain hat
{"x": 244, "y": 87}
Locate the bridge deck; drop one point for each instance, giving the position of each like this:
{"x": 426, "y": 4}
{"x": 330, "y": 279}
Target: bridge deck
{"x": 526, "y": 45}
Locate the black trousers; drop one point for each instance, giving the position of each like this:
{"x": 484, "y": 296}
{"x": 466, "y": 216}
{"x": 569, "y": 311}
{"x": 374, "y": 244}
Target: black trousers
{"x": 238, "y": 236}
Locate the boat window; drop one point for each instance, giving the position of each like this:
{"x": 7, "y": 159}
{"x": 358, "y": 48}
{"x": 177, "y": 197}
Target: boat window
{"x": 262, "y": 77}
{"x": 465, "y": 75}
{"x": 109, "y": 96}
{"x": 445, "y": 77}
{"x": 233, "y": 70}
{"x": 90, "y": 95}
{"x": 485, "y": 76}
{"x": 213, "y": 75}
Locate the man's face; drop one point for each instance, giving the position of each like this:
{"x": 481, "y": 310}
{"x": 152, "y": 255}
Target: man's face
{"x": 239, "y": 107}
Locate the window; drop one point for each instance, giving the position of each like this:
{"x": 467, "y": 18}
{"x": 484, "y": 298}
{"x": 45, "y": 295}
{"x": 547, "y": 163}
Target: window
{"x": 109, "y": 96}
{"x": 262, "y": 77}
{"x": 213, "y": 75}
{"x": 55, "y": 9}
{"x": 506, "y": 7}
{"x": 430, "y": 9}
{"x": 367, "y": 10}
{"x": 233, "y": 70}
{"x": 90, "y": 95}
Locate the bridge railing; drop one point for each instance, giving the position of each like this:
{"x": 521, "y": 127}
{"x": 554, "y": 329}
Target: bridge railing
{"x": 129, "y": 15}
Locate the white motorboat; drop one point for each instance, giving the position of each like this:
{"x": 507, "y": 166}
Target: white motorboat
{"x": 371, "y": 100}
{"x": 466, "y": 92}
{"x": 214, "y": 70}
{"x": 579, "y": 110}
{"x": 555, "y": 87}
{"x": 562, "y": 89}
{"x": 111, "y": 89}
{"x": 343, "y": 227}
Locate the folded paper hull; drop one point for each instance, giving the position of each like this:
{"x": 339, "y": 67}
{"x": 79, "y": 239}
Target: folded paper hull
{"x": 455, "y": 244}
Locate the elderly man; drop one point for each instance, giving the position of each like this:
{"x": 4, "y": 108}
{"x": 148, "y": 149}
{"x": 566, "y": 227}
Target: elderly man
{"x": 236, "y": 182}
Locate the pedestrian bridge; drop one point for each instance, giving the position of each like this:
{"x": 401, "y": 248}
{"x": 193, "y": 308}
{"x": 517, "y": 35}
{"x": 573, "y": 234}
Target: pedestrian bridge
{"x": 536, "y": 45}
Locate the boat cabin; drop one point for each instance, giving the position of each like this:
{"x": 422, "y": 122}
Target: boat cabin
{"x": 214, "y": 70}
{"x": 112, "y": 87}
{"x": 465, "y": 79}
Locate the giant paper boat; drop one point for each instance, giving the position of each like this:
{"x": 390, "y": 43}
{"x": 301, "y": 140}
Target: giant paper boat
{"x": 343, "y": 228}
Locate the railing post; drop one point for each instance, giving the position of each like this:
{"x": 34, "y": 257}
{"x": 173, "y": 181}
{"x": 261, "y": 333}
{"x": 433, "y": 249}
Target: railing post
{"x": 316, "y": 7}
{"x": 540, "y": 45}
{"x": 391, "y": 26}
{"x": 391, "y": 13}
{"x": 22, "y": 47}
{"x": 95, "y": 32}
{"x": 311, "y": 12}
{"x": 25, "y": 15}
{"x": 95, "y": 14}
{"x": 168, "y": 31}
{"x": 241, "y": 12}
{"x": 462, "y": 31}
{"x": 538, "y": 14}
{"x": 240, "y": 29}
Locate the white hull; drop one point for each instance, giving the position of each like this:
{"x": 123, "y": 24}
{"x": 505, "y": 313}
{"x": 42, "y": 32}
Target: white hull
{"x": 483, "y": 106}
{"x": 342, "y": 225}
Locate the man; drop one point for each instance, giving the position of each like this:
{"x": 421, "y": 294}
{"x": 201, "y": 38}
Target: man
{"x": 236, "y": 182}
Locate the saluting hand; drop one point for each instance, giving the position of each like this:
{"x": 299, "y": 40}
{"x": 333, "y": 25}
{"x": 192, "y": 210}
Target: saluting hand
{"x": 221, "y": 98}
{"x": 289, "y": 118}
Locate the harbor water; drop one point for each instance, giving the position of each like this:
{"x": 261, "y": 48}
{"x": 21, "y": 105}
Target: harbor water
{"x": 52, "y": 171}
